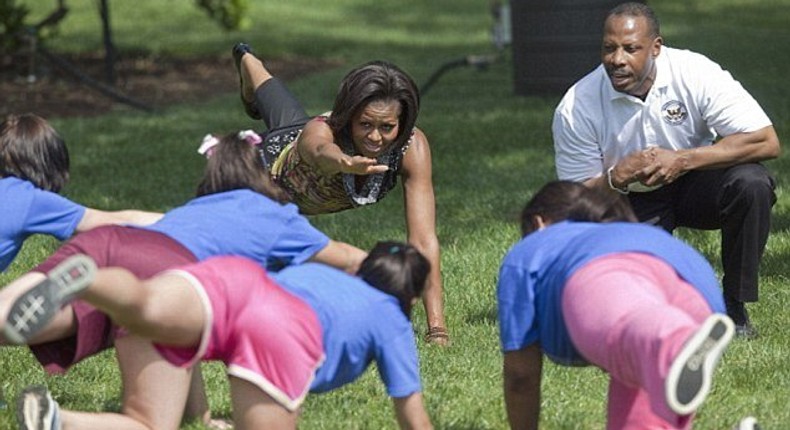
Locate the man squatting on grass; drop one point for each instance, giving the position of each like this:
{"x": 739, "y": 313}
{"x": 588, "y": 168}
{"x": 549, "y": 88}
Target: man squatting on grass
{"x": 681, "y": 137}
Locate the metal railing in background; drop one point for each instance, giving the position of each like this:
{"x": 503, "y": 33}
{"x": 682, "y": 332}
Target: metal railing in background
{"x": 501, "y": 38}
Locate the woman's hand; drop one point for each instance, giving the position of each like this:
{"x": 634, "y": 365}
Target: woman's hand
{"x": 359, "y": 165}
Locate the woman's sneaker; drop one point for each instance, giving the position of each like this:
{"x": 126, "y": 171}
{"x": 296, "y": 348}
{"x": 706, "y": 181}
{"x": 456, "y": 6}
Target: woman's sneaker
{"x": 37, "y": 410}
{"x": 691, "y": 373}
{"x": 250, "y": 107}
{"x": 34, "y": 309}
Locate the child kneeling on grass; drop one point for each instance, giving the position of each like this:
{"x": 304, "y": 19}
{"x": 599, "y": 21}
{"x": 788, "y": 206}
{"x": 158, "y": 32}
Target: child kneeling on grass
{"x": 585, "y": 289}
{"x": 307, "y": 328}
{"x": 233, "y": 196}
{"x": 34, "y": 167}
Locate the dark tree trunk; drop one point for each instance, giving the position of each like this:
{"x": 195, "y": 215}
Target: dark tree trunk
{"x": 109, "y": 48}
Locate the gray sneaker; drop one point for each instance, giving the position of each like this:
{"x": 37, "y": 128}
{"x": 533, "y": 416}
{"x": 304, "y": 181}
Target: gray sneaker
{"x": 748, "y": 423}
{"x": 691, "y": 373}
{"x": 34, "y": 309}
{"x": 36, "y": 410}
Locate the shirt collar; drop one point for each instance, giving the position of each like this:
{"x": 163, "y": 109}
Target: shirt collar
{"x": 663, "y": 71}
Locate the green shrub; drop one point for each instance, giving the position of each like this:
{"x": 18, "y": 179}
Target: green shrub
{"x": 230, "y": 14}
{"x": 12, "y": 25}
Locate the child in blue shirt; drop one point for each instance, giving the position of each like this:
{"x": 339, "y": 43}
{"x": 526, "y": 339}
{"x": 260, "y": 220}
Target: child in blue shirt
{"x": 238, "y": 211}
{"x": 585, "y": 288}
{"x": 34, "y": 167}
{"x": 271, "y": 338}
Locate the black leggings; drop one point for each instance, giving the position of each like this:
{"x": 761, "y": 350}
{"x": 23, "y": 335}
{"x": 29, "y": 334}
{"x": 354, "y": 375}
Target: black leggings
{"x": 278, "y": 107}
{"x": 283, "y": 115}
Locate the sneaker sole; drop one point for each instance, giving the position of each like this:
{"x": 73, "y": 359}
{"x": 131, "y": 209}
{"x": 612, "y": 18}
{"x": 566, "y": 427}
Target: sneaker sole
{"x": 691, "y": 374}
{"x": 33, "y": 409}
{"x": 34, "y": 309}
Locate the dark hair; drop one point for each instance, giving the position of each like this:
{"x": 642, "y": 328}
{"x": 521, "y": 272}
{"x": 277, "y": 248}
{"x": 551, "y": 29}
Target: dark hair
{"x": 636, "y": 9}
{"x": 565, "y": 200}
{"x": 234, "y": 163}
{"x": 374, "y": 81}
{"x": 398, "y": 269}
{"x": 32, "y": 150}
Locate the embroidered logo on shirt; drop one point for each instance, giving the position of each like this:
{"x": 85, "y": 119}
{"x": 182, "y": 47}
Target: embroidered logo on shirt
{"x": 674, "y": 112}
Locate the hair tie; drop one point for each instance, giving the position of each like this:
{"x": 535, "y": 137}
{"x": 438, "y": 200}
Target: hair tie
{"x": 250, "y": 137}
{"x": 207, "y": 145}
{"x": 395, "y": 249}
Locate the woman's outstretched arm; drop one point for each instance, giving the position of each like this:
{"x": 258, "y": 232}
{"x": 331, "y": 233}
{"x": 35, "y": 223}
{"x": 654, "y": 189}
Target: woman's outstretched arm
{"x": 420, "y": 212}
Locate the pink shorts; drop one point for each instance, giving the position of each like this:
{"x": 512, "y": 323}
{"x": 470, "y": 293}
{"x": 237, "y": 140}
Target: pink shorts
{"x": 264, "y": 334}
{"x": 145, "y": 253}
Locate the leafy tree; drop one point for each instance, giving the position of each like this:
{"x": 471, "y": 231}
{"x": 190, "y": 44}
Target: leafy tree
{"x": 16, "y": 34}
{"x": 229, "y": 14}
{"x": 12, "y": 24}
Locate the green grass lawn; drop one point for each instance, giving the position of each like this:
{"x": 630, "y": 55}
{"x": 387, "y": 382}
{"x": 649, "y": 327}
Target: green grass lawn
{"x": 491, "y": 151}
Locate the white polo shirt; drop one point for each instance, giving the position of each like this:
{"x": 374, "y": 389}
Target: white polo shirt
{"x": 692, "y": 101}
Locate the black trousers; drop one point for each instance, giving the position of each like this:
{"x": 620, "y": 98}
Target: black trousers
{"x": 279, "y": 108}
{"x": 283, "y": 115}
{"x": 736, "y": 200}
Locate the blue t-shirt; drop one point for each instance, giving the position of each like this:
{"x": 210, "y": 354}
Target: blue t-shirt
{"x": 360, "y": 324}
{"x": 26, "y": 210}
{"x": 243, "y": 222}
{"x": 534, "y": 272}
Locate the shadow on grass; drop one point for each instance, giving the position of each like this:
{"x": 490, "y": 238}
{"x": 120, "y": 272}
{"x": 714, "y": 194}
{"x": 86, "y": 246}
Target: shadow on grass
{"x": 482, "y": 317}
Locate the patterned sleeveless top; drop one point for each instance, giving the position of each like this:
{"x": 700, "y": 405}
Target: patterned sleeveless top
{"x": 314, "y": 193}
